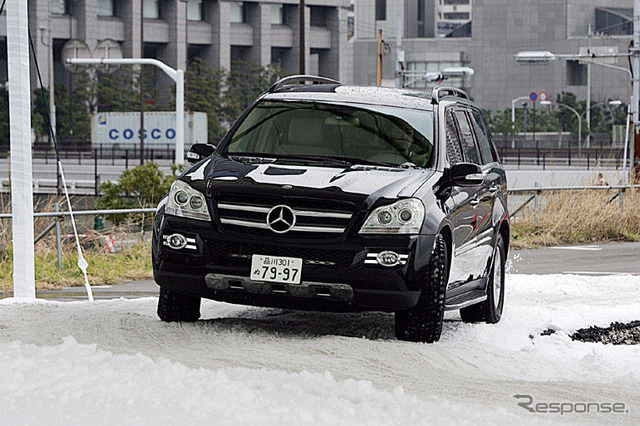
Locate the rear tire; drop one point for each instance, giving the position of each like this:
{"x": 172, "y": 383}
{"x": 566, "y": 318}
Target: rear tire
{"x": 423, "y": 322}
{"x": 173, "y": 306}
{"x": 490, "y": 311}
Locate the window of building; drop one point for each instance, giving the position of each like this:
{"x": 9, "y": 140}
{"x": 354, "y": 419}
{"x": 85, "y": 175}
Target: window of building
{"x": 195, "y": 10}
{"x": 151, "y": 9}
{"x": 448, "y": 2}
{"x": 318, "y": 16}
{"x": 277, "y": 14}
{"x": 238, "y": 13}
{"x": 105, "y": 8}
{"x": 576, "y": 74}
{"x": 381, "y": 10}
{"x": 60, "y": 7}
{"x": 456, "y": 16}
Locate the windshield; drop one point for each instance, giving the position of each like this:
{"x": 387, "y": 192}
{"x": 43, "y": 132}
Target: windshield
{"x": 362, "y": 134}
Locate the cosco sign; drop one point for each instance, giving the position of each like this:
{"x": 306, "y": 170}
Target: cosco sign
{"x": 128, "y": 134}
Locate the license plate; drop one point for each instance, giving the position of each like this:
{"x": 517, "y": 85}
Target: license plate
{"x": 276, "y": 269}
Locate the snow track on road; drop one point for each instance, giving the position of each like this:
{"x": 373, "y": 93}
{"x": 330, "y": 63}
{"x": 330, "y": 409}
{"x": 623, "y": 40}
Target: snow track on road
{"x": 238, "y": 354}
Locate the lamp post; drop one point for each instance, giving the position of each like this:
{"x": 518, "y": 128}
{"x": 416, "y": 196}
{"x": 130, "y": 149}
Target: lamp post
{"x": 546, "y": 57}
{"x": 444, "y": 74}
{"x": 176, "y": 75}
{"x": 513, "y": 119}
{"x": 573, "y": 111}
{"x": 615, "y": 102}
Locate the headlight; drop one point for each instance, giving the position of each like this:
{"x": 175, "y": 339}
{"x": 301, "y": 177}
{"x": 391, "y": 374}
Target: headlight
{"x": 401, "y": 217}
{"x": 185, "y": 201}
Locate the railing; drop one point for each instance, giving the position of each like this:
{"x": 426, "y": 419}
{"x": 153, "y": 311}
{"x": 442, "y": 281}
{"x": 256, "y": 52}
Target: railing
{"x": 565, "y": 157}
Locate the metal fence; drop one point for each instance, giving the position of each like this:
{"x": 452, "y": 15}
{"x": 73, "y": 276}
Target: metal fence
{"x": 535, "y": 192}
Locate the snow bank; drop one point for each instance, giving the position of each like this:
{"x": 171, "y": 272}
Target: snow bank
{"x": 113, "y": 362}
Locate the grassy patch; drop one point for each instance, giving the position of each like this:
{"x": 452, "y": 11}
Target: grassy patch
{"x": 578, "y": 217}
{"x": 132, "y": 263}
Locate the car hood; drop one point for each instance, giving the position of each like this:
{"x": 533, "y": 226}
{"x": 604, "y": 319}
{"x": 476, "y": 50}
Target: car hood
{"x": 375, "y": 181}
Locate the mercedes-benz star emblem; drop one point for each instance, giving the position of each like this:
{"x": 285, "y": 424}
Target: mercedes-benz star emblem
{"x": 281, "y": 219}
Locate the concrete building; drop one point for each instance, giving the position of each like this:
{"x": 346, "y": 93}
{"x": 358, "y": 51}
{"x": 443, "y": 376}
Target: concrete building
{"x": 495, "y": 32}
{"x": 175, "y": 31}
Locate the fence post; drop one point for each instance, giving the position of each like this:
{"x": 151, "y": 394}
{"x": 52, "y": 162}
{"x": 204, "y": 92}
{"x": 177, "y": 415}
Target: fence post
{"x": 126, "y": 159}
{"x": 621, "y": 202}
{"x": 588, "y": 158}
{"x": 95, "y": 170}
{"x": 58, "y": 237}
{"x": 544, "y": 160}
{"x": 113, "y": 154}
{"x": 535, "y": 205}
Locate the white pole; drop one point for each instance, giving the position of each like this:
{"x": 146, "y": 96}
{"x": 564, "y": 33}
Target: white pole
{"x": 399, "y": 59}
{"x": 180, "y": 117}
{"x": 636, "y": 79}
{"x": 626, "y": 144}
{"x": 24, "y": 285}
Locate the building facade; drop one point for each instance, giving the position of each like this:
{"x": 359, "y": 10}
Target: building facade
{"x": 495, "y": 31}
{"x": 175, "y": 31}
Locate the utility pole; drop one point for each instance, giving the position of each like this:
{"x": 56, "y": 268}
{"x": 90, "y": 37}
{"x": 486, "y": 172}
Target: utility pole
{"x": 399, "y": 53}
{"x": 302, "y": 40}
{"x": 589, "y": 35}
{"x": 142, "y": 83}
{"x": 379, "y": 76}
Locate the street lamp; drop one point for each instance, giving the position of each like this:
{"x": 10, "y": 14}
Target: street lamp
{"x": 615, "y": 102}
{"x": 536, "y": 57}
{"x": 444, "y": 74}
{"x": 513, "y": 119}
{"x": 573, "y": 111}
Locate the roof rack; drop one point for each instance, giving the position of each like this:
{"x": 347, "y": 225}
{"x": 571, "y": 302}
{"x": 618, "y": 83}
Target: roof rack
{"x": 300, "y": 79}
{"x": 440, "y": 92}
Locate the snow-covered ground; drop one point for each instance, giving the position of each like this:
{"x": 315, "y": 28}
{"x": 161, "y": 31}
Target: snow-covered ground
{"x": 113, "y": 362}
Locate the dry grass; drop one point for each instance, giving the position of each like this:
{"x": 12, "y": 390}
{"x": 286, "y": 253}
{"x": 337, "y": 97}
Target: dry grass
{"x": 132, "y": 263}
{"x": 578, "y": 217}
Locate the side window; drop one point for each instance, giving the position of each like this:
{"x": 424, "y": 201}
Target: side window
{"x": 454, "y": 153}
{"x": 469, "y": 149}
{"x": 482, "y": 135}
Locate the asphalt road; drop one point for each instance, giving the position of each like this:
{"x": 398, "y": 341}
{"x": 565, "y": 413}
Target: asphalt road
{"x": 593, "y": 260}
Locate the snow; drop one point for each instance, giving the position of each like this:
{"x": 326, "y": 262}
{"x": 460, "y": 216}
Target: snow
{"x": 113, "y": 362}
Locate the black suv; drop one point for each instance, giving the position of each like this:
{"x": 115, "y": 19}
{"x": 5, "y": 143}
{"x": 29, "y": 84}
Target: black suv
{"x": 339, "y": 198}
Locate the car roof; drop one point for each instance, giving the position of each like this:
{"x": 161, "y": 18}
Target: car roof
{"x": 370, "y": 95}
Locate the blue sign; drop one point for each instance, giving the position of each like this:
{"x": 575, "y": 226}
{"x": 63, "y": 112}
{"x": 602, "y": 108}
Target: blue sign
{"x": 533, "y": 96}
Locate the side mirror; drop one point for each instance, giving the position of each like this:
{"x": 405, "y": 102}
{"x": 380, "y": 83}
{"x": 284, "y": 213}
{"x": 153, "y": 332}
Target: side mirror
{"x": 198, "y": 151}
{"x": 465, "y": 174}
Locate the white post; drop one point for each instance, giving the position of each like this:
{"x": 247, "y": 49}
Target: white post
{"x": 399, "y": 53}
{"x": 20, "y": 135}
{"x": 626, "y": 144}
{"x": 636, "y": 79}
{"x": 179, "y": 117}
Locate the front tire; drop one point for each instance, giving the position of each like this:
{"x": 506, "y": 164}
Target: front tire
{"x": 490, "y": 311}
{"x": 423, "y": 322}
{"x": 173, "y": 306}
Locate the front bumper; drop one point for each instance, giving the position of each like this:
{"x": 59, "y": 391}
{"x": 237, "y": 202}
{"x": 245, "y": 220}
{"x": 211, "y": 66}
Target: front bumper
{"x": 337, "y": 274}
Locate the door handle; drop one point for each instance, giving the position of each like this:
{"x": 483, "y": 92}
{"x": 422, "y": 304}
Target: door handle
{"x": 493, "y": 189}
{"x": 474, "y": 202}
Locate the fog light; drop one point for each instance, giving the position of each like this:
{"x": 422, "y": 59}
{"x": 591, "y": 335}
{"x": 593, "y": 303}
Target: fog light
{"x": 177, "y": 241}
{"x": 388, "y": 258}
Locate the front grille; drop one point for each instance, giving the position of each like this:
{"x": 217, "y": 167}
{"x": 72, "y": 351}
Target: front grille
{"x": 227, "y": 253}
{"x": 313, "y": 217}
